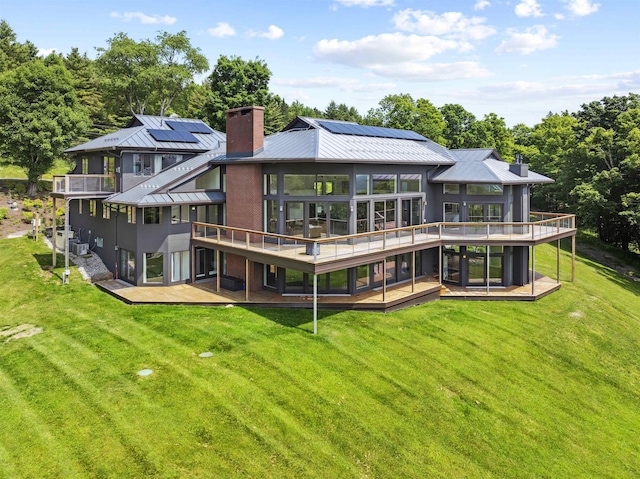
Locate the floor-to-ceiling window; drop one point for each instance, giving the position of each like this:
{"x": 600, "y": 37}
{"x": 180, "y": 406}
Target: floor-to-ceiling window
{"x": 153, "y": 268}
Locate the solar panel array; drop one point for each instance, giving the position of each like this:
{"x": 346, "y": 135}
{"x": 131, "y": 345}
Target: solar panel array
{"x": 374, "y": 131}
{"x": 190, "y": 126}
{"x": 178, "y": 136}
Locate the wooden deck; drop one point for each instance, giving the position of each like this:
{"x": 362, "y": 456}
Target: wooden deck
{"x": 398, "y": 296}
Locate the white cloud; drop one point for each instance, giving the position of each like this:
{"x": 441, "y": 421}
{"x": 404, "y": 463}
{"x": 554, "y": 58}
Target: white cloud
{"x": 366, "y": 3}
{"x": 45, "y": 52}
{"x": 558, "y": 16}
{"x": 344, "y": 84}
{"x": 449, "y": 24}
{"x": 531, "y": 40}
{"x": 144, "y": 18}
{"x": 528, "y": 8}
{"x": 581, "y": 8}
{"x": 388, "y": 48}
{"x": 481, "y": 5}
{"x": 420, "y": 72}
{"x": 222, "y": 29}
{"x": 273, "y": 33}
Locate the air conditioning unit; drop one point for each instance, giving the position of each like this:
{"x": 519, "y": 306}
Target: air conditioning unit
{"x": 80, "y": 249}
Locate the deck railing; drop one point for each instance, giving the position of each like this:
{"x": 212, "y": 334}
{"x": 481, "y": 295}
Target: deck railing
{"x": 84, "y": 184}
{"x": 362, "y": 243}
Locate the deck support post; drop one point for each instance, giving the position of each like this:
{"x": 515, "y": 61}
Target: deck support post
{"x": 573, "y": 258}
{"x": 413, "y": 271}
{"x": 315, "y": 304}
{"x": 192, "y": 264}
{"x": 440, "y": 264}
{"x": 558, "y": 262}
{"x": 384, "y": 280}
{"x": 53, "y": 237}
{"x": 218, "y": 269}
{"x": 487, "y": 268}
{"x": 247, "y": 279}
{"x": 66, "y": 273}
{"x": 533, "y": 270}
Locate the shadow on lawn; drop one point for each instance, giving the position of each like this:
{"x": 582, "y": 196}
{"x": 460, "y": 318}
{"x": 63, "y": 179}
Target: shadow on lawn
{"x": 44, "y": 261}
{"x": 300, "y": 318}
{"x": 607, "y": 271}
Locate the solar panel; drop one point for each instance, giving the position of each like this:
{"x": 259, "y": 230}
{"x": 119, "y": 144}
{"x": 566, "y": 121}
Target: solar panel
{"x": 190, "y": 126}
{"x": 373, "y": 131}
{"x": 179, "y": 136}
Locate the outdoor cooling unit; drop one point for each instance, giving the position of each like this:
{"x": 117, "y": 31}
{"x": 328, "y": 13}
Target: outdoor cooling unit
{"x": 80, "y": 249}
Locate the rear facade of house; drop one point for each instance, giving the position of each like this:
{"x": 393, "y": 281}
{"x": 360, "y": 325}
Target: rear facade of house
{"x": 421, "y": 210}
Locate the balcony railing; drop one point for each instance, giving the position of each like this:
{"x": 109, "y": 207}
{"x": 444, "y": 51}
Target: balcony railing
{"x": 84, "y": 184}
{"x": 319, "y": 249}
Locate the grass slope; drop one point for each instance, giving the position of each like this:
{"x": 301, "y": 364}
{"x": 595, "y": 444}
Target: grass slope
{"x": 446, "y": 389}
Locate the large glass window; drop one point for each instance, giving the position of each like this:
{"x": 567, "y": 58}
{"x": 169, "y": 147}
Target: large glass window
{"x": 153, "y": 268}
{"x": 270, "y": 184}
{"x": 180, "y": 214}
{"x": 383, "y": 184}
{"x": 384, "y": 215}
{"x": 209, "y": 180}
{"x": 363, "y": 276}
{"x": 494, "y": 212}
{"x": 93, "y": 205}
{"x": 338, "y": 213}
{"x": 317, "y": 219}
{"x": 411, "y": 183}
{"x": 300, "y": 185}
{"x": 131, "y": 214}
{"x": 476, "y": 213}
{"x": 473, "y": 189}
{"x": 332, "y": 185}
{"x": 180, "y": 266}
{"x": 362, "y": 184}
{"x": 362, "y": 220}
{"x": 127, "y": 265}
{"x": 451, "y": 189}
{"x": 270, "y": 276}
{"x": 485, "y": 212}
{"x": 294, "y": 218}
{"x": 451, "y": 212}
{"x": 85, "y": 165}
{"x": 152, "y": 215}
{"x": 142, "y": 164}
{"x": 271, "y": 216}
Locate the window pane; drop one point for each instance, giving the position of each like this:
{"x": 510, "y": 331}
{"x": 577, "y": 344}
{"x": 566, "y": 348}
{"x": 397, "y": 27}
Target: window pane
{"x": 410, "y": 183}
{"x": 339, "y": 215}
{"x": 362, "y": 220}
{"x": 451, "y": 189}
{"x": 484, "y": 189}
{"x": 362, "y": 276}
{"x": 383, "y": 184}
{"x": 334, "y": 184}
{"x": 152, "y": 215}
{"x": 210, "y": 180}
{"x": 300, "y": 185}
{"x": 476, "y": 213}
{"x": 362, "y": 184}
{"x": 153, "y": 268}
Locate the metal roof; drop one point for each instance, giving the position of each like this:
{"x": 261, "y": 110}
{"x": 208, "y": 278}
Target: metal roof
{"x": 136, "y": 136}
{"x": 484, "y": 165}
{"x": 156, "y": 190}
{"x": 305, "y": 141}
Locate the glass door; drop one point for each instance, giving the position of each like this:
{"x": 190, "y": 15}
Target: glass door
{"x": 294, "y": 218}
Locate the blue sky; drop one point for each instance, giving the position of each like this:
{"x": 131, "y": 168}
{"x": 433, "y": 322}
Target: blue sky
{"x": 519, "y": 59}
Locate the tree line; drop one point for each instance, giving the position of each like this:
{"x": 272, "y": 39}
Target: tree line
{"x": 48, "y": 104}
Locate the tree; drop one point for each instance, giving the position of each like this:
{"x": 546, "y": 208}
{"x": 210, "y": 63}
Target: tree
{"x": 341, "y": 112}
{"x": 87, "y": 85}
{"x": 458, "y": 125}
{"x": 13, "y": 53}
{"x": 498, "y": 136}
{"x": 298, "y": 109}
{"x": 404, "y": 113}
{"x": 234, "y": 83}
{"x": 147, "y": 74}
{"x": 39, "y": 115}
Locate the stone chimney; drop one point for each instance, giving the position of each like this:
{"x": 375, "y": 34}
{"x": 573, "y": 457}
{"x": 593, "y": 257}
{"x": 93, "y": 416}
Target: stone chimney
{"x": 245, "y": 131}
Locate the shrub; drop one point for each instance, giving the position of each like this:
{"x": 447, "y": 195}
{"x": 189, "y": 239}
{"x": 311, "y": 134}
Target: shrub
{"x": 19, "y": 189}
{"x": 27, "y": 216}
{"x": 27, "y": 204}
{"x": 3, "y": 213}
{"x": 38, "y": 204}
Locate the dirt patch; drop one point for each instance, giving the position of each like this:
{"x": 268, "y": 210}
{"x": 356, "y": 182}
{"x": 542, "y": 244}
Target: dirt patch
{"x": 15, "y": 221}
{"x": 22, "y": 331}
{"x": 609, "y": 260}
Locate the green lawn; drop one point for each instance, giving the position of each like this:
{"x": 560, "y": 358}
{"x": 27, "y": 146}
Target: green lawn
{"x": 446, "y": 389}
{"x": 60, "y": 167}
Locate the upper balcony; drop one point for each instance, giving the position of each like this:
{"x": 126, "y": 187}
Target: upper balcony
{"x": 92, "y": 186}
{"x": 328, "y": 254}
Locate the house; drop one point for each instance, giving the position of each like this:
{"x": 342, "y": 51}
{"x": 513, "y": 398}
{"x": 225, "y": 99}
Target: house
{"x": 323, "y": 207}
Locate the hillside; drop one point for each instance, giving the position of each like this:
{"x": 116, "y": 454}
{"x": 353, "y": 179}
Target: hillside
{"x": 446, "y": 389}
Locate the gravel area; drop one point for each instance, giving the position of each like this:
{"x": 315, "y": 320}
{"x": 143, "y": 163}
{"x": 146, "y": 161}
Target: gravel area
{"x": 90, "y": 265}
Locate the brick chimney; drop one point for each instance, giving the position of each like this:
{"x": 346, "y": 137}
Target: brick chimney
{"x": 245, "y": 131}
